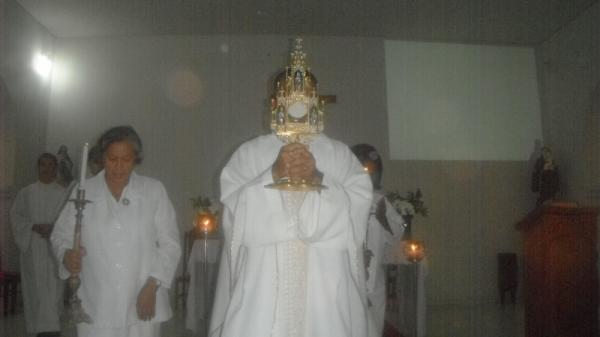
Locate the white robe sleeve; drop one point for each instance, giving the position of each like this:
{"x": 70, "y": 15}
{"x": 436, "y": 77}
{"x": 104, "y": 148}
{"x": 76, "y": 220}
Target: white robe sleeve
{"x": 62, "y": 235}
{"x": 169, "y": 249}
{"x": 347, "y": 194}
{"x": 21, "y": 221}
{"x": 350, "y": 191}
{"x": 224, "y": 284}
{"x": 238, "y": 176}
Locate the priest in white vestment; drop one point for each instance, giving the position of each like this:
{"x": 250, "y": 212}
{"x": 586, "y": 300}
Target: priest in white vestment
{"x": 292, "y": 263}
{"x": 385, "y": 228}
{"x": 131, "y": 242}
{"x": 32, "y": 215}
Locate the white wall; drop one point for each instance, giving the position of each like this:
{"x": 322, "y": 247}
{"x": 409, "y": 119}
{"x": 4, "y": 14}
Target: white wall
{"x": 23, "y": 111}
{"x": 569, "y": 77}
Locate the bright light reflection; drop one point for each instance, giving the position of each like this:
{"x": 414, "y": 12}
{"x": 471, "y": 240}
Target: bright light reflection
{"x": 42, "y": 65}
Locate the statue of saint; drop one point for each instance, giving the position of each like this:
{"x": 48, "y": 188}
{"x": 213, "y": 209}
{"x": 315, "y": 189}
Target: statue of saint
{"x": 545, "y": 179}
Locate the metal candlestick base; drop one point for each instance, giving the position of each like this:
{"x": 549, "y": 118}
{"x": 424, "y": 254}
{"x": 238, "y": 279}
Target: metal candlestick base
{"x": 74, "y": 313}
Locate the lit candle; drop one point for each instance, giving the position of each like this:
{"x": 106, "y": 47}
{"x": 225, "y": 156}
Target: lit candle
{"x": 206, "y": 225}
{"x": 84, "y": 158}
{"x": 205, "y": 222}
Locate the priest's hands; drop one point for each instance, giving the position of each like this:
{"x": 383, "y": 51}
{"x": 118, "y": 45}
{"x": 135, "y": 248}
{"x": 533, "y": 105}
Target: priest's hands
{"x": 72, "y": 260}
{"x": 43, "y": 229}
{"x": 146, "y": 300}
{"x": 296, "y": 163}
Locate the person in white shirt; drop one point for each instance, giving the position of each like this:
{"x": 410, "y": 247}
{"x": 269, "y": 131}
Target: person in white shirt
{"x": 131, "y": 244}
{"x": 385, "y": 228}
{"x": 32, "y": 215}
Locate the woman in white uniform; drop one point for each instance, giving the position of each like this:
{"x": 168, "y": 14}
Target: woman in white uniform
{"x": 131, "y": 244}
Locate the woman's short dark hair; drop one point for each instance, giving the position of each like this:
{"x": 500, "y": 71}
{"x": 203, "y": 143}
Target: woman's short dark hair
{"x": 368, "y": 153}
{"x": 120, "y": 134}
{"x": 47, "y": 155}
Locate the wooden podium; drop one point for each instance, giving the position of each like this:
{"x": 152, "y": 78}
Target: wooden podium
{"x": 560, "y": 271}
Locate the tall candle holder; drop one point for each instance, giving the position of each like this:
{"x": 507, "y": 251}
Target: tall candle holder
{"x": 74, "y": 312}
{"x": 415, "y": 252}
{"x": 206, "y": 223}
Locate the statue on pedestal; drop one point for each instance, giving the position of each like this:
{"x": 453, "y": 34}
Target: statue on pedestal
{"x": 545, "y": 179}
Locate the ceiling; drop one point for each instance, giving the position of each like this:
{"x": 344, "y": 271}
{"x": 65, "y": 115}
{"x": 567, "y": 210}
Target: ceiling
{"x": 521, "y": 22}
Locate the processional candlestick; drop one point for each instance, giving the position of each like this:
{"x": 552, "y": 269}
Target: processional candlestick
{"x": 415, "y": 252}
{"x": 74, "y": 313}
{"x": 206, "y": 223}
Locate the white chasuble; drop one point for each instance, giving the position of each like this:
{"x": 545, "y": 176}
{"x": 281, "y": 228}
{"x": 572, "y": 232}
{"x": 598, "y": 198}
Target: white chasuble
{"x": 291, "y": 274}
{"x": 292, "y": 263}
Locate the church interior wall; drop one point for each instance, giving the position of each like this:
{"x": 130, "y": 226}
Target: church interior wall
{"x": 23, "y": 111}
{"x": 569, "y": 70}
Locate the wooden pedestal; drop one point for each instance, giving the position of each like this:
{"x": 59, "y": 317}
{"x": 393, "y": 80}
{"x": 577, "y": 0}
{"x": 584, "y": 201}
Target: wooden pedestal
{"x": 560, "y": 271}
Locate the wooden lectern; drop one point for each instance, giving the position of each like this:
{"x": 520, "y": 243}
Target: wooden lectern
{"x": 560, "y": 271}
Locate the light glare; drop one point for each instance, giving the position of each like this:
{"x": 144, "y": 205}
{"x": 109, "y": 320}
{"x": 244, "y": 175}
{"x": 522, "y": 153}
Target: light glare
{"x": 42, "y": 65}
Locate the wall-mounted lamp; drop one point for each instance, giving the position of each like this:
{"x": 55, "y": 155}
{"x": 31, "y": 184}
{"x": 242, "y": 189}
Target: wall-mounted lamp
{"x": 42, "y": 65}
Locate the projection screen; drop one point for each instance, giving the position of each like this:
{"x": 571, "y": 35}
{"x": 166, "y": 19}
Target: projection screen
{"x": 461, "y": 102}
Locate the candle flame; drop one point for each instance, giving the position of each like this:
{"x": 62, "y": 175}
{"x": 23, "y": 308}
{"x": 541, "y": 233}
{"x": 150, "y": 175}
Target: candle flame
{"x": 205, "y": 222}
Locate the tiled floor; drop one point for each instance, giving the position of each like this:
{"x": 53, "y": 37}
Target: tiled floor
{"x": 14, "y": 326}
{"x": 484, "y": 320}
{"x": 488, "y": 320}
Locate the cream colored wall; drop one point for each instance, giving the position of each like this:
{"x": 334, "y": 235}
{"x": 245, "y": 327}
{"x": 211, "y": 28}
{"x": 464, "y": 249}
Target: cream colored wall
{"x": 23, "y": 112}
{"x": 569, "y": 70}
{"x": 28, "y": 94}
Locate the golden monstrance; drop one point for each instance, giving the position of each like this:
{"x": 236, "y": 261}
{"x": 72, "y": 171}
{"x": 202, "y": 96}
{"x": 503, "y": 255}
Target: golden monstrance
{"x": 296, "y": 112}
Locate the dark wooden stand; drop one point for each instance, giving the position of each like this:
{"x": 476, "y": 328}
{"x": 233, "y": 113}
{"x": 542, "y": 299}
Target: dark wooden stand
{"x": 560, "y": 271}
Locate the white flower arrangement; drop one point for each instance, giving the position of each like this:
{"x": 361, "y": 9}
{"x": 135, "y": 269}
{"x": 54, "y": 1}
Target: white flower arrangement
{"x": 403, "y": 207}
{"x": 206, "y": 217}
{"x": 410, "y": 205}
{"x": 208, "y": 205}
{"x": 407, "y": 206}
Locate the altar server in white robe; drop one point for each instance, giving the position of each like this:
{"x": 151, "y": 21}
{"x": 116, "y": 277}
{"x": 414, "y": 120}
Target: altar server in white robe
{"x": 32, "y": 215}
{"x": 131, "y": 244}
{"x": 385, "y": 228}
{"x": 292, "y": 264}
